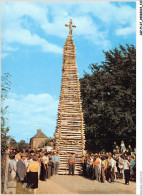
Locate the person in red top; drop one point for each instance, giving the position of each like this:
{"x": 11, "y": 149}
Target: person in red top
{"x": 95, "y": 166}
{"x": 71, "y": 164}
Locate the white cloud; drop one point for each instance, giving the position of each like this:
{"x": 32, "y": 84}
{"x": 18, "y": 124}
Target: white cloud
{"x": 6, "y": 47}
{"x": 52, "y": 16}
{"x": 3, "y": 55}
{"x": 13, "y": 30}
{"x": 27, "y": 111}
{"x": 112, "y": 15}
{"x": 85, "y": 15}
{"x": 25, "y": 37}
{"x": 125, "y": 31}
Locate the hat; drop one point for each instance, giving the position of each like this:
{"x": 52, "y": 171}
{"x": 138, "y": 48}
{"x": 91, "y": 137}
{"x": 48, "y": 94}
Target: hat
{"x": 23, "y": 155}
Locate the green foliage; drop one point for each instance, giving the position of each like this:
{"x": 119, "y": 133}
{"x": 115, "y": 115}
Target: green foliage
{"x": 13, "y": 143}
{"x": 5, "y": 87}
{"x": 22, "y": 145}
{"x": 109, "y": 100}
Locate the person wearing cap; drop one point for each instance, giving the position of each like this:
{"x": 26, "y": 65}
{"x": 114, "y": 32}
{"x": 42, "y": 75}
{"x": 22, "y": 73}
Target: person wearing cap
{"x": 21, "y": 168}
{"x": 71, "y": 164}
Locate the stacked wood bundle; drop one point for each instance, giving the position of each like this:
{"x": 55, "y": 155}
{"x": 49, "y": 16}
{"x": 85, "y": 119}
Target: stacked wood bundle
{"x": 69, "y": 135}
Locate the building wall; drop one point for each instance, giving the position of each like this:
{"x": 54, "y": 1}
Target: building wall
{"x": 35, "y": 142}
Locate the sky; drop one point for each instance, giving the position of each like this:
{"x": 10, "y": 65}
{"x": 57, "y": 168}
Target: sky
{"x": 32, "y": 39}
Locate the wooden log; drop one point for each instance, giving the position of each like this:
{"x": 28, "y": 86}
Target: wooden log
{"x": 70, "y": 125}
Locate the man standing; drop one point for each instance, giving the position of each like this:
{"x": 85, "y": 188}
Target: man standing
{"x": 18, "y": 156}
{"x": 53, "y": 160}
{"x": 71, "y": 164}
{"x": 50, "y": 167}
{"x": 114, "y": 146}
{"x": 57, "y": 162}
{"x": 96, "y": 164}
{"x": 45, "y": 162}
{"x": 44, "y": 166}
{"x": 126, "y": 165}
{"x": 111, "y": 168}
{"x": 21, "y": 168}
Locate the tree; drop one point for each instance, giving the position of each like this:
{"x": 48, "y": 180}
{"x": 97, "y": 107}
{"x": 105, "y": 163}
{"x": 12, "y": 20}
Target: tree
{"x": 5, "y": 87}
{"x": 22, "y": 145}
{"x": 109, "y": 99}
{"x": 13, "y": 143}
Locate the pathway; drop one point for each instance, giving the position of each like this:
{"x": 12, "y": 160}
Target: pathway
{"x": 67, "y": 184}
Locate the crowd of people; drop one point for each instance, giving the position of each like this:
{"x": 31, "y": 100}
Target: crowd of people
{"x": 107, "y": 166}
{"x": 31, "y": 167}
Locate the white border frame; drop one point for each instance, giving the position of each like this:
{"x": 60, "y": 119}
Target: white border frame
{"x": 139, "y": 96}
{"x": 139, "y": 87}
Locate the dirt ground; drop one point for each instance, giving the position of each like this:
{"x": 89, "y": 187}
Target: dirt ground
{"x": 68, "y": 184}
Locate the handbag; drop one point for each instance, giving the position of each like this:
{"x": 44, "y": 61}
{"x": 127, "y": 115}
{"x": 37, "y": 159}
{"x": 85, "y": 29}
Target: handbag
{"x": 120, "y": 166}
{"x": 13, "y": 174}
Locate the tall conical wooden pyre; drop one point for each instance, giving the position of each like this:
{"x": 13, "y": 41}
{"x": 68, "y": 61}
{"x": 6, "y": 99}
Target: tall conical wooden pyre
{"x": 69, "y": 133}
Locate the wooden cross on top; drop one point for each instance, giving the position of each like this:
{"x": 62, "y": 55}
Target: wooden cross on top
{"x": 70, "y": 26}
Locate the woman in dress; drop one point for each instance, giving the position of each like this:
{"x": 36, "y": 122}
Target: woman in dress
{"x": 12, "y": 166}
{"x": 33, "y": 173}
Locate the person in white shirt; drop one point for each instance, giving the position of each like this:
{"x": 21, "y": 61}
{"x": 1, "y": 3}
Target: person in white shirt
{"x": 126, "y": 165}
{"x": 111, "y": 168}
{"x": 120, "y": 165}
{"x": 115, "y": 168}
{"x": 26, "y": 162}
{"x": 122, "y": 146}
{"x": 103, "y": 169}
